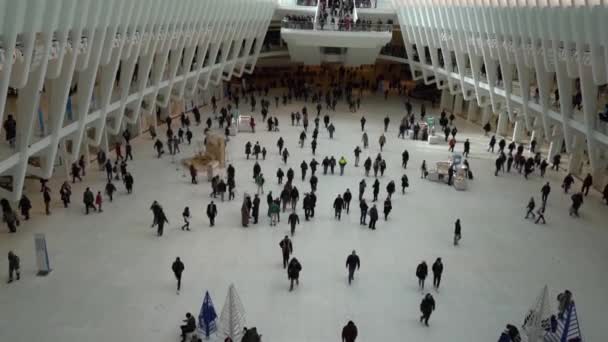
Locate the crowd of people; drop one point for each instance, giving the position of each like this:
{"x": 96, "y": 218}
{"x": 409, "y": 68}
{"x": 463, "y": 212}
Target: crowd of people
{"x": 287, "y": 201}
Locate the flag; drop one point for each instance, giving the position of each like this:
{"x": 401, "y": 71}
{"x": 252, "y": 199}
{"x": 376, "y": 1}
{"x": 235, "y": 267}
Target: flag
{"x": 538, "y": 317}
{"x": 207, "y": 317}
{"x": 232, "y": 319}
{"x": 568, "y": 328}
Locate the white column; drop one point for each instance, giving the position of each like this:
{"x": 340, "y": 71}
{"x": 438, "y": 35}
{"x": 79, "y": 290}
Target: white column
{"x": 519, "y": 129}
{"x": 472, "y": 111}
{"x": 486, "y": 115}
{"x": 447, "y": 101}
{"x": 503, "y": 123}
{"x": 538, "y": 133}
{"x": 458, "y": 104}
{"x": 576, "y": 155}
{"x": 556, "y": 144}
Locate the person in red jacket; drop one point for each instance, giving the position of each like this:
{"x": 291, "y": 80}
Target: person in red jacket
{"x": 99, "y": 201}
{"x": 349, "y": 332}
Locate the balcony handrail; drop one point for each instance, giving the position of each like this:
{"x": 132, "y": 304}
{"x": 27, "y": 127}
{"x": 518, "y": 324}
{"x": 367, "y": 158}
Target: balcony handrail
{"x": 344, "y": 27}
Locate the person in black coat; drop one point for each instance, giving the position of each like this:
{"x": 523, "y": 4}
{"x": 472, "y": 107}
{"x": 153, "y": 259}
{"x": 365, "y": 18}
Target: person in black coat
{"x": 255, "y": 208}
{"x": 280, "y": 175}
{"x": 390, "y": 189}
{"x": 421, "y": 272}
{"x": 13, "y": 266}
{"x": 363, "y": 206}
{"x": 405, "y": 157}
{"x": 211, "y": 213}
{"x": 313, "y": 183}
{"x": 457, "y": 232}
{"x": 404, "y": 183}
{"x": 437, "y": 271}
{"x": 129, "y": 182}
{"x": 290, "y": 175}
{"x": 388, "y": 206}
{"x": 159, "y": 218}
{"x": 293, "y": 220}
{"x": 567, "y": 183}
{"x": 293, "y": 272}
{"x": 347, "y": 197}
{"x": 352, "y": 263}
{"x": 189, "y": 327}
{"x": 178, "y": 269}
{"x": 338, "y": 206}
{"x": 286, "y": 250}
{"x": 89, "y": 200}
{"x": 545, "y": 190}
{"x": 110, "y": 189}
{"x": 577, "y": 201}
{"x": 367, "y": 164}
{"x": 587, "y": 182}
{"x": 373, "y": 217}
{"x": 304, "y": 168}
{"x": 25, "y": 205}
{"x": 427, "y": 307}
{"x": 376, "y": 187}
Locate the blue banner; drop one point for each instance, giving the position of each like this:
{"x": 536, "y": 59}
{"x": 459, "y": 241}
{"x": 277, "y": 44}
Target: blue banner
{"x": 207, "y": 317}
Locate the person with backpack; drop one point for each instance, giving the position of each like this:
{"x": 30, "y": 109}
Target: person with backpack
{"x": 293, "y": 272}
{"x": 427, "y": 307}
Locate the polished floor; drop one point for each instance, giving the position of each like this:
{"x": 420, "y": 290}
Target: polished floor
{"x": 111, "y": 278}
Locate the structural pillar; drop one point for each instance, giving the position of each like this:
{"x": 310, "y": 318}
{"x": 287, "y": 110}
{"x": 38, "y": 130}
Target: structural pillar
{"x": 519, "y": 130}
{"x": 576, "y": 155}
{"x": 447, "y": 101}
{"x": 556, "y": 143}
{"x": 538, "y": 133}
{"x": 458, "y": 104}
{"x": 472, "y": 111}
{"x": 486, "y": 115}
{"x": 503, "y": 123}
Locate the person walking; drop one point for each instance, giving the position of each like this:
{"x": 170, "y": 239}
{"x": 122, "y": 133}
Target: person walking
{"x": 338, "y": 206}
{"x": 541, "y": 215}
{"x": 255, "y": 208}
{"x": 373, "y": 217}
{"x": 13, "y": 266}
{"x": 89, "y": 200}
{"x": 531, "y": 205}
{"x": 457, "y": 232}
{"x": 349, "y": 332}
{"x": 382, "y": 141}
{"x": 405, "y": 157}
{"x": 387, "y": 208}
{"x": 46, "y": 196}
{"x": 304, "y": 168}
{"x": 178, "y": 269}
{"x": 186, "y": 216}
{"x": 405, "y": 183}
{"x": 352, "y": 263}
{"x": 545, "y": 190}
{"x": 357, "y": 154}
{"x": 376, "y": 187}
{"x": 437, "y": 271}
{"x": 365, "y": 140}
{"x": 110, "y": 189}
{"x": 427, "y": 307}
{"x": 211, "y": 213}
{"x": 567, "y": 183}
{"x": 24, "y": 206}
{"x": 293, "y": 220}
{"x": 293, "y": 272}
{"x": 423, "y": 171}
{"x": 387, "y": 120}
{"x": 577, "y": 201}
{"x": 421, "y": 273}
{"x": 286, "y": 250}
{"x": 587, "y": 182}
{"x": 342, "y": 164}
{"x": 99, "y": 201}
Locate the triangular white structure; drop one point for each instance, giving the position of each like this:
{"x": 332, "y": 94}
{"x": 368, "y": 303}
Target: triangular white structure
{"x": 538, "y": 317}
{"x": 232, "y": 319}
